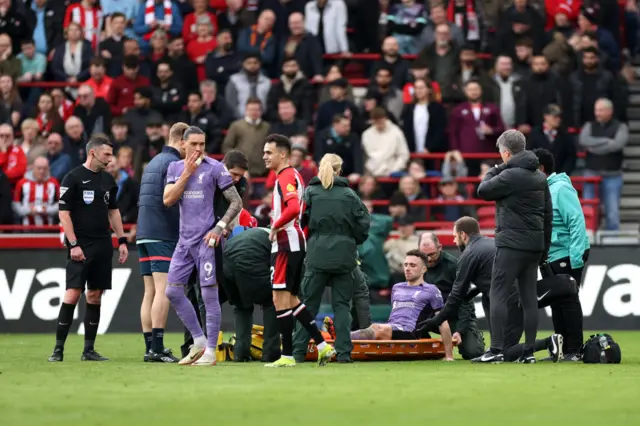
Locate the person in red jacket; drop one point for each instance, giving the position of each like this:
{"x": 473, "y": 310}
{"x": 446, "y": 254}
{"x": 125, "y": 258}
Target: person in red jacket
{"x": 13, "y": 161}
{"x": 189, "y": 29}
{"x": 570, "y": 8}
{"x": 199, "y": 48}
{"x": 120, "y": 96}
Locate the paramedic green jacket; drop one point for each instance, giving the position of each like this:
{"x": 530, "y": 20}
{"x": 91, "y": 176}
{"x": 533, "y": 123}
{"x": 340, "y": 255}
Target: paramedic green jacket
{"x": 374, "y": 263}
{"x": 569, "y": 235}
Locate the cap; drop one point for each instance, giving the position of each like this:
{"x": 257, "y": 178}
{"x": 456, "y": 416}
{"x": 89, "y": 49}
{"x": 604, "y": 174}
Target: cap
{"x": 405, "y": 220}
{"x": 590, "y": 13}
{"x": 552, "y": 109}
{"x": 340, "y": 82}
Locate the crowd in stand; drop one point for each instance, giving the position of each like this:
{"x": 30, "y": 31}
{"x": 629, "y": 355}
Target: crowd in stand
{"x": 239, "y": 70}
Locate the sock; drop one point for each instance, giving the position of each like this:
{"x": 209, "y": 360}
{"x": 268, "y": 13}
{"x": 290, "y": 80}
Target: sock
{"x": 156, "y": 340}
{"x": 542, "y": 344}
{"x": 302, "y": 314}
{"x": 208, "y": 351}
{"x": 213, "y": 314}
{"x": 495, "y": 351}
{"x": 185, "y": 310}
{"x": 91, "y": 322}
{"x": 147, "y": 340}
{"x": 200, "y": 341}
{"x": 285, "y": 324}
{"x": 65, "y": 319}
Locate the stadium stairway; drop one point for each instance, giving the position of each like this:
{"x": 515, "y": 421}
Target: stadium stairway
{"x": 630, "y": 201}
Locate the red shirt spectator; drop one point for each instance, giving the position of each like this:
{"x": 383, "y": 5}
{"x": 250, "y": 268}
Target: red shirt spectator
{"x": 99, "y": 81}
{"x": 35, "y": 198}
{"x": 64, "y": 106}
{"x": 88, "y": 16}
{"x": 570, "y": 8}
{"x": 189, "y": 30}
{"x": 13, "y": 161}
{"x": 199, "y": 48}
{"x": 407, "y": 92}
{"x": 121, "y": 93}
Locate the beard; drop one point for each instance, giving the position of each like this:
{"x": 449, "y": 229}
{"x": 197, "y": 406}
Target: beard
{"x": 290, "y": 75}
{"x": 461, "y": 246}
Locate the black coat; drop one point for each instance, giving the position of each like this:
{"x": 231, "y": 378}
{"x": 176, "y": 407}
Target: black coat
{"x": 436, "y": 133}
{"x": 183, "y": 69}
{"x": 308, "y": 53}
{"x": 523, "y": 203}
{"x": 209, "y": 124}
{"x": 221, "y": 68}
{"x": 298, "y": 127}
{"x": 17, "y": 26}
{"x": 349, "y": 149}
{"x": 169, "y": 100}
{"x": 563, "y": 148}
{"x": 57, "y": 63}
{"x": 96, "y": 120}
{"x": 127, "y": 200}
{"x": 606, "y": 87}
{"x": 6, "y": 197}
{"x": 536, "y": 92}
{"x": 399, "y": 70}
{"x": 302, "y": 95}
{"x": 53, "y": 19}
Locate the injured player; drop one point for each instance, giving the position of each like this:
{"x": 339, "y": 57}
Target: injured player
{"x": 412, "y": 302}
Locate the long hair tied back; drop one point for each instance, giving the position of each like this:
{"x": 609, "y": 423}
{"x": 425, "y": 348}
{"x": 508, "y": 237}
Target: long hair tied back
{"x": 330, "y": 166}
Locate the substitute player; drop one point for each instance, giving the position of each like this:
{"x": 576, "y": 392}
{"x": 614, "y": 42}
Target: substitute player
{"x": 288, "y": 251}
{"x": 156, "y": 240}
{"x": 193, "y": 184}
{"x": 87, "y": 208}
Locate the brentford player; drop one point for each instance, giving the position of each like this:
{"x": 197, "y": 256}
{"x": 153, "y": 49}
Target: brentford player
{"x": 287, "y": 252}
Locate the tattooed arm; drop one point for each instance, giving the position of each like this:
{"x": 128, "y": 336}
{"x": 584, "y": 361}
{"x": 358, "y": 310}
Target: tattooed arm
{"x": 235, "y": 205}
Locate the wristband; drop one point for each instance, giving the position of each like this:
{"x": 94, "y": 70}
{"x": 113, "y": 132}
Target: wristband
{"x": 122, "y": 240}
{"x": 222, "y": 224}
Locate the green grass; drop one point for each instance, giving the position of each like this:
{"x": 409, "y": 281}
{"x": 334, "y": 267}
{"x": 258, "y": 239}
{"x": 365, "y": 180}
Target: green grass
{"x": 126, "y": 391}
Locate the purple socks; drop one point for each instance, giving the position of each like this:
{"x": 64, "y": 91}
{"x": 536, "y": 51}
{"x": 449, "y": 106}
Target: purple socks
{"x": 214, "y": 314}
{"x": 185, "y": 310}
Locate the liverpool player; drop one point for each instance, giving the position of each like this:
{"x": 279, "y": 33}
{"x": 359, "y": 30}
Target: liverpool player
{"x": 288, "y": 251}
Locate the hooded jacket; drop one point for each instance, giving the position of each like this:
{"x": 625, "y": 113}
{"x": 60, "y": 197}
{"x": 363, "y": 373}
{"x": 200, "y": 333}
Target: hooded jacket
{"x": 569, "y": 235}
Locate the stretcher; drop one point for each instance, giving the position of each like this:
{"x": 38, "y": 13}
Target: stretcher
{"x": 390, "y": 350}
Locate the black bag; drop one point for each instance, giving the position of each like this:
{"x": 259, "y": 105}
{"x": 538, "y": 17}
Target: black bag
{"x": 601, "y": 349}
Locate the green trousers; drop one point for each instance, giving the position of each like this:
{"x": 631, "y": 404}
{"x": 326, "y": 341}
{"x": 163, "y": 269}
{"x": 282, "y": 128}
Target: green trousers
{"x": 361, "y": 309}
{"x": 342, "y": 288}
{"x": 244, "y": 323}
{"x": 467, "y": 325}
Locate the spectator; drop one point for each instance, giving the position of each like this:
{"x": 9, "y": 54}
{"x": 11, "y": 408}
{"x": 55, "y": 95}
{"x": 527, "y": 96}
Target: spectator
{"x": 339, "y": 139}
{"x": 88, "y": 16}
{"x": 30, "y": 142}
{"x": 396, "y": 248}
{"x": 384, "y": 145}
{"x": 124, "y": 159}
{"x": 75, "y": 141}
{"x": 99, "y": 82}
{"x": 6, "y": 197}
{"x": 398, "y": 205}
{"x": 468, "y": 15}
{"x": 425, "y": 121}
{"x": 438, "y": 16}
{"x": 246, "y": 84}
{"x": 14, "y": 23}
{"x": 35, "y": 200}
{"x": 286, "y": 122}
{"x": 604, "y": 140}
{"x": 592, "y": 82}
{"x": 71, "y": 59}
{"x": 334, "y": 73}
{"x": 552, "y": 137}
{"x": 561, "y": 13}
{"x": 372, "y": 99}
{"x": 13, "y": 161}
{"x": 468, "y": 69}
{"x": 168, "y": 96}
{"x": 520, "y": 21}
{"x": 215, "y": 104}
{"x": 141, "y": 114}
{"x": 538, "y": 91}
{"x": 62, "y": 104}
{"x": 474, "y": 126}
{"x": 442, "y": 56}
{"x": 368, "y": 189}
{"x": 303, "y": 46}
{"x": 263, "y": 211}
{"x": 259, "y": 40}
{"x": 559, "y": 52}
{"x": 120, "y": 134}
{"x": 234, "y": 18}
{"x": 203, "y": 43}
{"x": 9, "y": 63}
{"x": 523, "y": 58}
{"x": 158, "y": 47}
{"x": 49, "y": 121}
{"x": 392, "y": 61}
{"x": 580, "y": 42}
{"x": 587, "y": 21}
{"x": 127, "y": 9}
{"x": 405, "y": 21}
{"x": 449, "y": 192}
{"x": 410, "y": 188}
{"x": 10, "y": 100}
{"x": 60, "y": 162}
{"x": 507, "y": 87}
{"x": 295, "y": 86}
{"x": 112, "y": 49}
{"x": 184, "y": 70}
{"x": 223, "y": 62}
{"x": 122, "y": 89}
{"x": 48, "y": 16}
{"x": 148, "y": 146}
{"x": 127, "y": 195}
{"x": 283, "y": 11}
{"x": 132, "y": 47}
{"x": 157, "y": 14}
{"x": 454, "y": 165}
{"x": 327, "y": 20}
{"x": 94, "y": 112}
{"x": 199, "y": 15}
{"x": 338, "y": 105}
{"x": 33, "y": 64}
{"x": 196, "y": 115}
{"x": 248, "y": 135}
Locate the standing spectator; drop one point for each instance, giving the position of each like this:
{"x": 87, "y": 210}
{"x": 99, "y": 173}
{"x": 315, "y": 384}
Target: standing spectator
{"x": 75, "y": 141}
{"x": 13, "y": 161}
{"x": 568, "y": 8}
{"x": 295, "y": 86}
{"x": 14, "y": 23}
{"x": 340, "y": 140}
{"x": 10, "y": 99}
{"x": 468, "y": 15}
{"x": 384, "y": 145}
{"x": 168, "y": 96}
{"x": 199, "y": 14}
{"x": 94, "y": 112}
{"x": 223, "y": 62}
{"x": 588, "y": 21}
{"x": 127, "y": 195}
{"x": 507, "y": 88}
{"x": 248, "y": 83}
{"x": 592, "y": 82}
{"x": 71, "y": 59}
{"x": 519, "y": 21}
{"x": 184, "y": 70}
{"x": 88, "y": 16}
{"x": 442, "y": 56}
{"x": 216, "y": 104}
{"x": 120, "y": 134}
{"x": 60, "y": 162}
{"x": 35, "y": 199}
{"x": 523, "y": 58}
{"x": 552, "y": 137}
{"x": 196, "y": 115}
{"x": 438, "y": 16}
{"x": 112, "y": 49}
{"x": 405, "y": 22}
{"x": 283, "y": 11}
{"x": 99, "y": 82}
{"x": 148, "y": 146}
{"x": 157, "y": 14}
{"x": 235, "y": 17}
{"x": 248, "y": 135}
{"x": 122, "y": 89}
{"x": 425, "y": 121}
{"x": 49, "y": 121}
{"x": 338, "y": 105}
{"x": 304, "y": 46}
{"x": 201, "y": 45}
{"x": 392, "y": 61}
{"x": 34, "y": 64}
{"x": 48, "y": 16}
{"x": 334, "y": 73}
{"x": 468, "y": 69}
{"x": 9, "y": 63}
{"x": 605, "y": 139}
{"x": 285, "y": 122}
{"x": 327, "y": 20}
{"x": 259, "y": 40}
{"x": 128, "y": 9}
{"x": 141, "y": 113}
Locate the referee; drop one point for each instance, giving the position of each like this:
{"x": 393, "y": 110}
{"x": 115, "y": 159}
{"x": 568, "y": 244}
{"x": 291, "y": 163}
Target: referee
{"x": 87, "y": 208}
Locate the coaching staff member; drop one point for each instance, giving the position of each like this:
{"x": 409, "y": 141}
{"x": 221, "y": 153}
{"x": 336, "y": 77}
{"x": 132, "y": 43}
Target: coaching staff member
{"x": 523, "y": 236}
{"x": 87, "y": 207}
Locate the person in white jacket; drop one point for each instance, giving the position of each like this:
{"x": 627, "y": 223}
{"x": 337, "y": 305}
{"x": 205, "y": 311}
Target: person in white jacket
{"x": 327, "y": 19}
{"x": 385, "y": 147}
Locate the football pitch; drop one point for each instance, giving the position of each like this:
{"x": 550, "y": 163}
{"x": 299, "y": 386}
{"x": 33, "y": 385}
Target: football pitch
{"x": 126, "y": 391}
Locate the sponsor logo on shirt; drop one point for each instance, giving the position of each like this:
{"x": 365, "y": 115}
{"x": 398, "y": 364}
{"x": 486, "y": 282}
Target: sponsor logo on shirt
{"x": 193, "y": 194}
{"x": 400, "y": 305}
{"x": 291, "y": 188}
{"x": 87, "y": 196}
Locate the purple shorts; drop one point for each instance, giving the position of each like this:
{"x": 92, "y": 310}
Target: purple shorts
{"x": 186, "y": 257}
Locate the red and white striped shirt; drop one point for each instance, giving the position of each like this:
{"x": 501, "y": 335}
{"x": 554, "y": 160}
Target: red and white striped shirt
{"x": 42, "y": 195}
{"x": 89, "y": 19}
{"x": 289, "y": 188}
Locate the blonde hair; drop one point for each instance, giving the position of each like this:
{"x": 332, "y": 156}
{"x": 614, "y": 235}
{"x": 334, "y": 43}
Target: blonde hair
{"x": 177, "y": 132}
{"x": 330, "y": 166}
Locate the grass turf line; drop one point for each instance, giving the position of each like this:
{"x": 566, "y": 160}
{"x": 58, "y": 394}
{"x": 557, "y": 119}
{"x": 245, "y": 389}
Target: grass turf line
{"x": 126, "y": 391}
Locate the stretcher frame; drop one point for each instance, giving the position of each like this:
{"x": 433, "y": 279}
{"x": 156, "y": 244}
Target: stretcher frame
{"x": 390, "y": 350}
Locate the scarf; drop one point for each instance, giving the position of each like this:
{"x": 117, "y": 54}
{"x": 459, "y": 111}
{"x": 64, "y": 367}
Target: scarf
{"x": 465, "y": 18}
{"x": 72, "y": 64}
{"x": 90, "y": 20}
{"x": 254, "y": 37}
{"x": 150, "y": 14}
{"x": 44, "y": 124}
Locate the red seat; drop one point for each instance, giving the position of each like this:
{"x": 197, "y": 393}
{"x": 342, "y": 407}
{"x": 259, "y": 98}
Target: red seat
{"x": 590, "y": 217}
{"x": 486, "y": 212}
{"x": 488, "y": 223}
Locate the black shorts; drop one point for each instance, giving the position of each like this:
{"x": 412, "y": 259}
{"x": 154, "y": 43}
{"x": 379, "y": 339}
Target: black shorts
{"x": 287, "y": 268}
{"x": 403, "y": 335}
{"x": 95, "y": 270}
